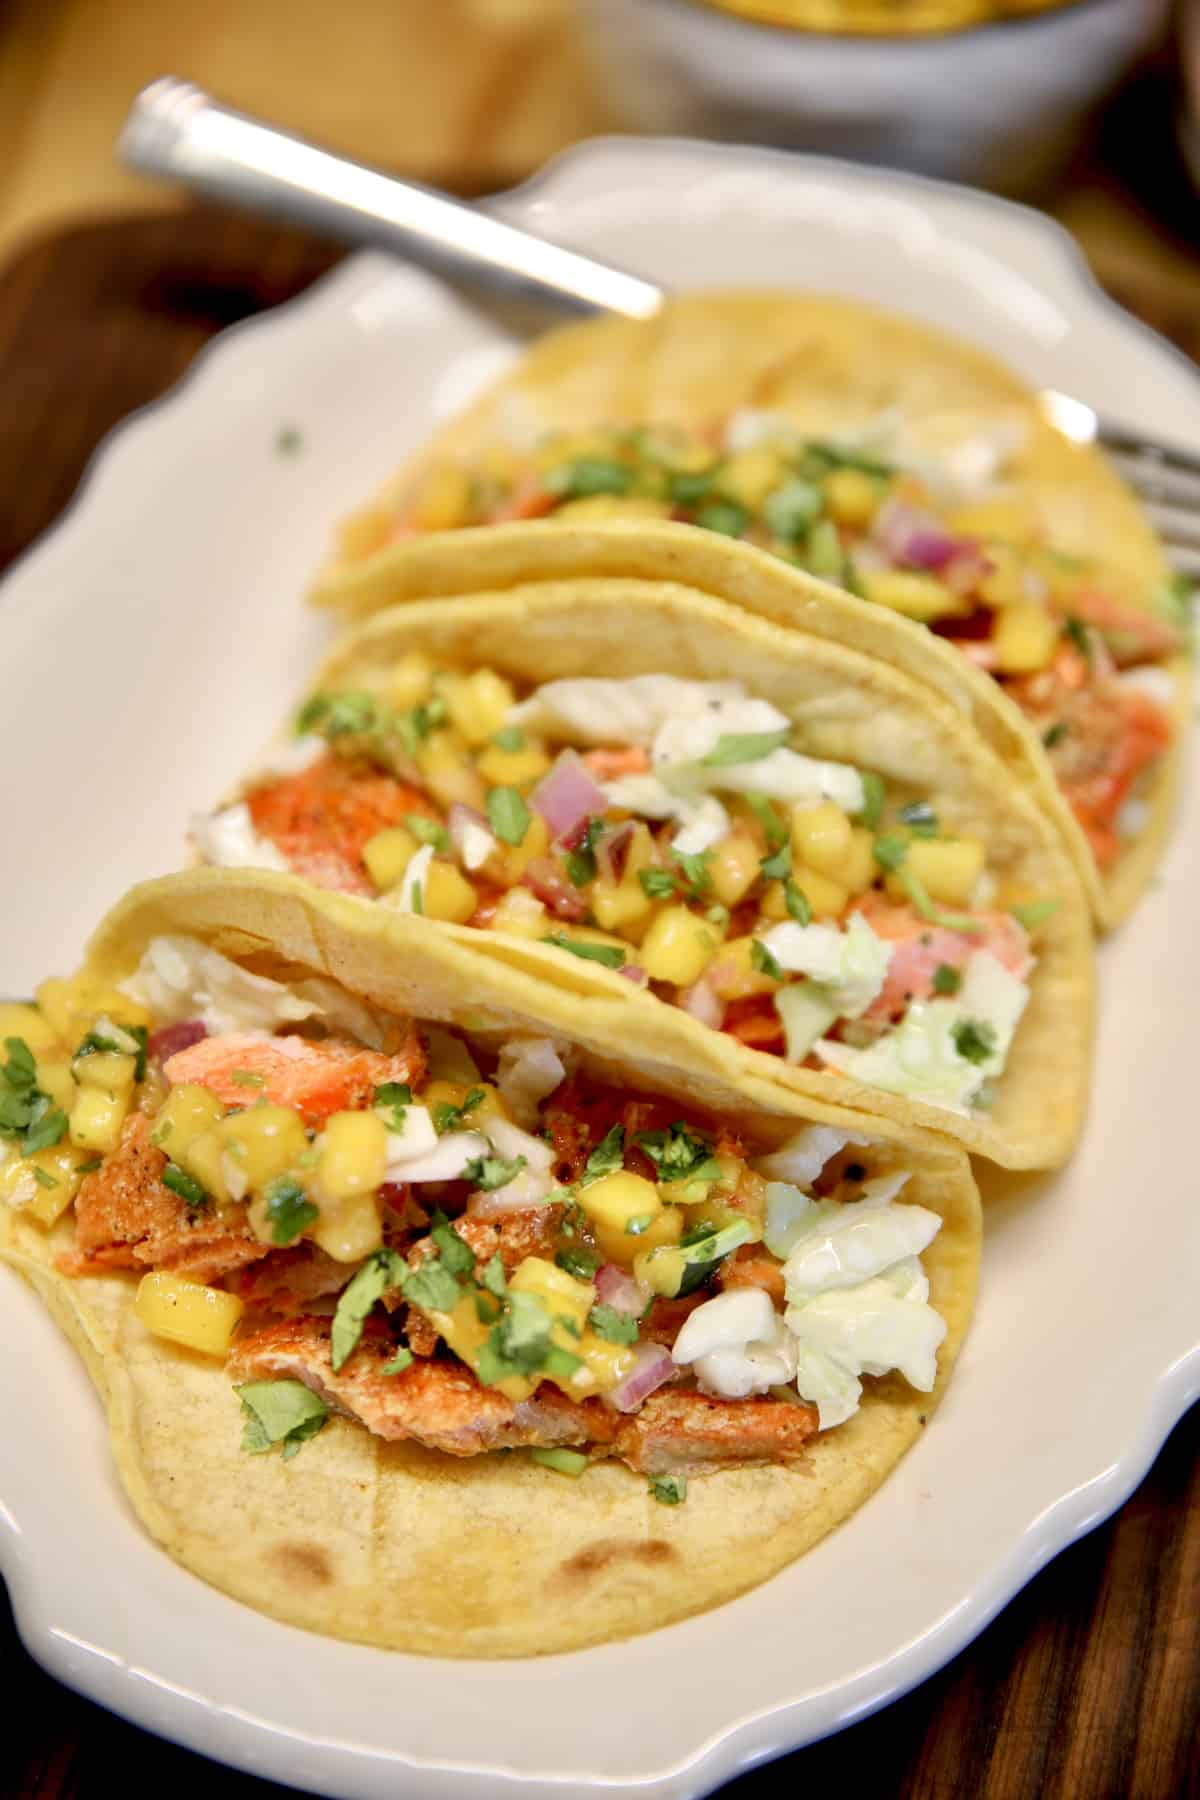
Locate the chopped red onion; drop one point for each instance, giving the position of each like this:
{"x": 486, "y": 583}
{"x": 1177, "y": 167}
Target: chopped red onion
{"x": 612, "y": 852}
{"x": 617, "y": 1288}
{"x": 550, "y": 884}
{"x": 966, "y": 568}
{"x": 914, "y": 537}
{"x": 461, "y": 822}
{"x": 173, "y": 1038}
{"x": 567, "y": 795}
{"x": 700, "y": 1001}
{"x": 653, "y": 1367}
{"x": 634, "y": 972}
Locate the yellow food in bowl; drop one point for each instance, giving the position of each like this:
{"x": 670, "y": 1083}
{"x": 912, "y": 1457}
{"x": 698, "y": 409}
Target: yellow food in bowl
{"x": 885, "y": 18}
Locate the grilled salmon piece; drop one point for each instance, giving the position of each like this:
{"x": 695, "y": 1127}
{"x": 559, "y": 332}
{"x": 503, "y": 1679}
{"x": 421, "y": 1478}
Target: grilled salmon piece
{"x": 752, "y": 1266}
{"x": 316, "y": 1077}
{"x": 321, "y": 819}
{"x": 126, "y": 1219}
{"x": 686, "y": 1430}
{"x": 288, "y": 1281}
{"x": 438, "y": 1404}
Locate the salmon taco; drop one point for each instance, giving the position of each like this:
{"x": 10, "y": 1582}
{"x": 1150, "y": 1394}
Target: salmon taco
{"x": 809, "y": 856}
{"x": 1002, "y": 562}
{"x": 385, "y": 1262}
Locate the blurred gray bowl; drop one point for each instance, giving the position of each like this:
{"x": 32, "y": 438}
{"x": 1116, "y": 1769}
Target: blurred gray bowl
{"x": 997, "y": 104}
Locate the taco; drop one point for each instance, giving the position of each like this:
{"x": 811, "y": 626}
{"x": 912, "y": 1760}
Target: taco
{"x": 388, "y": 1266}
{"x": 810, "y": 855}
{"x": 865, "y": 450}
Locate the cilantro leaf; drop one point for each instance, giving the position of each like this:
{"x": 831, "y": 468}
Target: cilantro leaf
{"x": 427, "y": 831}
{"x": 610, "y": 955}
{"x": 492, "y": 1277}
{"x": 769, "y": 818}
{"x": 520, "y": 1343}
{"x": 587, "y": 475}
{"x": 947, "y": 979}
{"x": 507, "y": 814}
{"x": 339, "y": 715}
{"x": 510, "y": 738}
{"x": 796, "y": 901}
{"x": 456, "y": 1254}
{"x": 581, "y": 1263}
{"x": 974, "y": 1039}
{"x": 382, "y": 1270}
{"x": 448, "y": 1118}
{"x": 669, "y": 1490}
{"x": 1054, "y": 734}
{"x": 890, "y": 850}
{"x": 393, "y": 1097}
{"x": 695, "y": 869}
{"x": 399, "y": 1362}
{"x": 657, "y": 884}
{"x": 432, "y": 1287}
{"x": 614, "y": 1326}
{"x": 874, "y": 794}
{"x": 778, "y": 866}
{"x": 567, "y": 1462}
{"x": 279, "y": 1412}
{"x": 47, "y": 1124}
{"x": 185, "y": 1185}
{"x": 44, "y": 1178}
{"x": 725, "y": 516}
{"x": 606, "y": 1158}
{"x": 20, "y": 1072}
{"x": 734, "y": 748}
{"x": 487, "y": 1173}
{"x": 1032, "y": 913}
{"x": 581, "y": 860}
{"x": 679, "y": 1154}
{"x": 289, "y": 1210}
{"x": 762, "y": 960}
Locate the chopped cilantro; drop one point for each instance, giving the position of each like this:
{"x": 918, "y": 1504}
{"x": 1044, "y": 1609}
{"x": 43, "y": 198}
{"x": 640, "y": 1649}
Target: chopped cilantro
{"x": 678, "y": 1154}
{"x": 490, "y": 1172}
{"x": 456, "y": 1254}
{"x": 581, "y": 861}
{"x": 339, "y": 715}
{"x": 382, "y": 1270}
{"x": 890, "y": 850}
{"x": 686, "y": 486}
{"x": 778, "y": 865}
{"x": 185, "y": 1185}
{"x": 392, "y": 1098}
{"x": 507, "y": 814}
{"x": 44, "y": 1178}
{"x": 1055, "y": 733}
{"x": 582, "y": 1264}
{"x": 520, "y": 1343}
{"x": 1032, "y": 913}
{"x": 946, "y": 979}
{"x": 936, "y": 915}
{"x": 716, "y": 914}
{"x": 47, "y": 1124}
{"x": 289, "y": 1210}
{"x": 432, "y": 1287}
{"x": 1077, "y": 631}
{"x": 279, "y": 1412}
{"x": 587, "y": 475}
{"x": 20, "y": 1071}
{"x": 974, "y": 1039}
{"x": 658, "y": 884}
{"x": 725, "y": 516}
{"x": 823, "y": 553}
{"x": 566, "y": 1462}
{"x": 510, "y": 738}
{"x": 769, "y": 818}
{"x": 247, "y": 1078}
{"x": 733, "y": 748}
{"x": 695, "y": 869}
{"x": 611, "y": 955}
{"x": 874, "y": 794}
{"x": 414, "y": 727}
{"x": 492, "y": 1276}
{"x": 606, "y": 1158}
{"x": 639, "y": 1224}
{"x": 791, "y": 509}
{"x": 449, "y": 1118}
{"x": 90, "y": 1166}
{"x": 427, "y": 831}
{"x": 613, "y": 1325}
{"x": 762, "y": 960}
{"x": 796, "y": 901}
{"x": 920, "y": 819}
{"x": 399, "y": 1362}
{"x": 669, "y": 1490}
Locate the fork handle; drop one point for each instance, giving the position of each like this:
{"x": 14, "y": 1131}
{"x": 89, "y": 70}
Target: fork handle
{"x": 178, "y": 131}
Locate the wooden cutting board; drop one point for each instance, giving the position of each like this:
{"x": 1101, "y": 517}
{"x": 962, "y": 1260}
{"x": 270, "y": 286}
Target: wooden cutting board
{"x": 1088, "y": 1686}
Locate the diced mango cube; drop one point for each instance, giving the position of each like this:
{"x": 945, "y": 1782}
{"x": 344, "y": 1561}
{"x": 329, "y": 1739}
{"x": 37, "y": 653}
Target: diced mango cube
{"x": 187, "y": 1112}
{"x": 387, "y": 855}
{"x": 349, "y": 1229}
{"x": 203, "y": 1158}
{"x": 622, "y": 907}
{"x": 96, "y": 1119}
{"x": 201, "y": 1318}
{"x": 734, "y": 867}
{"x": 447, "y": 771}
{"x": 917, "y": 596}
{"x": 263, "y": 1142}
{"x": 947, "y": 869}
{"x": 520, "y": 914}
{"x": 628, "y": 1215}
{"x": 478, "y": 704}
{"x": 749, "y": 476}
{"x": 444, "y": 500}
{"x": 851, "y": 497}
{"x": 821, "y": 837}
{"x": 563, "y": 1295}
{"x": 518, "y": 768}
{"x": 353, "y": 1155}
{"x": 447, "y": 893}
{"x": 54, "y": 1077}
{"x": 109, "y": 1070}
{"x": 732, "y": 974}
{"x": 1025, "y": 638}
{"x": 678, "y": 946}
{"x": 410, "y": 681}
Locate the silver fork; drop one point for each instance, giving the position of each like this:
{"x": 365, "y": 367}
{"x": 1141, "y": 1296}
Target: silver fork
{"x": 177, "y": 131}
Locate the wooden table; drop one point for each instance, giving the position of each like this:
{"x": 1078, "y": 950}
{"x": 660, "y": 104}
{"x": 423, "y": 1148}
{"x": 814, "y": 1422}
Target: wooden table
{"x": 1088, "y": 1686}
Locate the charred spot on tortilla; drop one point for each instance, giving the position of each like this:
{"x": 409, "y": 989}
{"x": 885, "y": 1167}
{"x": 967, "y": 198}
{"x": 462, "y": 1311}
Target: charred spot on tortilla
{"x": 306, "y": 1564}
{"x": 608, "y": 1554}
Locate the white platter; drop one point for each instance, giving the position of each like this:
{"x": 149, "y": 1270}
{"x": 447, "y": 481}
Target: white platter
{"x": 149, "y": 644}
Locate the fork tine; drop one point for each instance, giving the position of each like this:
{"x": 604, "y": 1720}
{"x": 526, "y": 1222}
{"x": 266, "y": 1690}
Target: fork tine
{"x": 1180, "y": 528}
{"x": 1157, "y": 481}
{"x": 1120, "y": 439}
